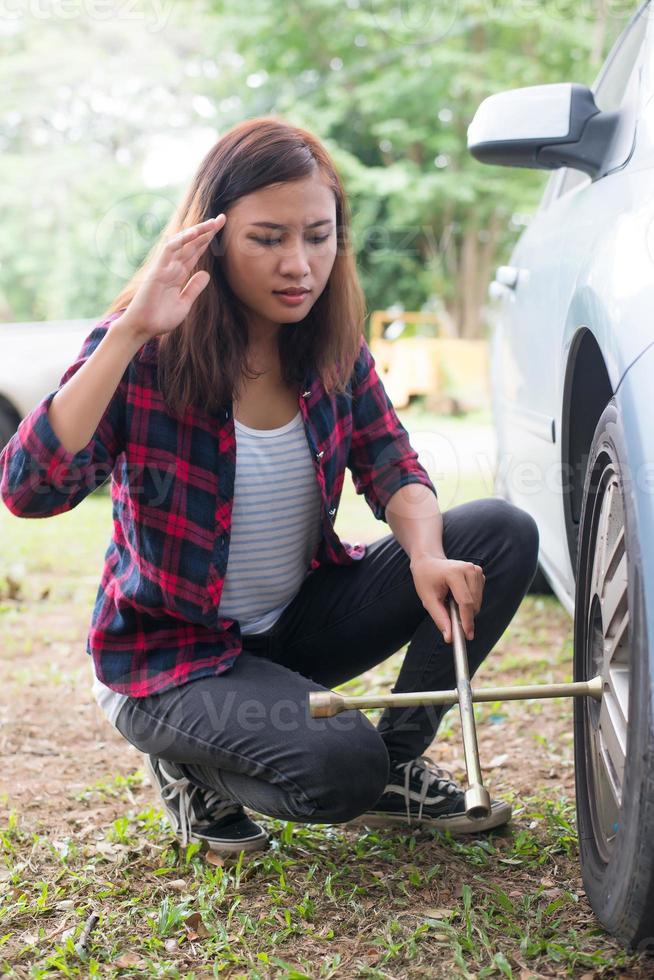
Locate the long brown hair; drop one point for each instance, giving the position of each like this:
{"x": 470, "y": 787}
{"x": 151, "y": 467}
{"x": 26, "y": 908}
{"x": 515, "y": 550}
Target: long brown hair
{"x": 203, "y": 361}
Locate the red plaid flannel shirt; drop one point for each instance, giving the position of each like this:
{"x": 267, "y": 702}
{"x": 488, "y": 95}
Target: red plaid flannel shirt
{"x": 155, "y": 622}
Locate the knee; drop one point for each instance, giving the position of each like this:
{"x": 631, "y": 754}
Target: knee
{"x": 352, "y": 775}
{"x": 526, "y": 539}
{"x": 518, "y": 530}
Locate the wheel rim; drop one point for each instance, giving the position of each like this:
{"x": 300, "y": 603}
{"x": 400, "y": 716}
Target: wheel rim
{"x": 608, "y": 654}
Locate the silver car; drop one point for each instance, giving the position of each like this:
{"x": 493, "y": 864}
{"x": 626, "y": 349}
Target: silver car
{"x": 572, "y": 352}
{"x": 33, "y": 358}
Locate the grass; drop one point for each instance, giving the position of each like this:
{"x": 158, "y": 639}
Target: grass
{"x": 320, "y": 903}
{"x": 324, "y": 901}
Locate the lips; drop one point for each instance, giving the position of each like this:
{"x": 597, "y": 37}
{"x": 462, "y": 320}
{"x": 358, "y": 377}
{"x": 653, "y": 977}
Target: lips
{"x": 292, "y": 292}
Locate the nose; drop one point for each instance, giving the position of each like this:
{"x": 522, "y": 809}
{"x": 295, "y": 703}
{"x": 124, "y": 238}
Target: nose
{"x": 293, "y": 260}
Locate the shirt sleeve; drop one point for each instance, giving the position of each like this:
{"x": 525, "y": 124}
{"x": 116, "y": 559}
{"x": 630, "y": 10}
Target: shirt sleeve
{"x": 38, "y": 476}
{"x": 381, "y": 458}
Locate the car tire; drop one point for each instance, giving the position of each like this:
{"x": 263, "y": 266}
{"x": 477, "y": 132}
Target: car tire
{"x": 7, "y": 427}
{"x": 614, "y": 737}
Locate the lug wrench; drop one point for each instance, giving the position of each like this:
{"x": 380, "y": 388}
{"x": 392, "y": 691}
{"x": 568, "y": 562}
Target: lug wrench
{"x": 324, "y": 704}
{"x": 478, "y": 802}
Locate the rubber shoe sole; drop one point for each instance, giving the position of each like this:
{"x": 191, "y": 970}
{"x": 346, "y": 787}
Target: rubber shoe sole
{"x": 242, "y": 835}
{"x": 231, "y": 835}
{"x": 456, "y": 823}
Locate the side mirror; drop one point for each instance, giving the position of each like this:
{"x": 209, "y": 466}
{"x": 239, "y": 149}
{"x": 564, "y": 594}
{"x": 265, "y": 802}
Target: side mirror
{"x": 543, "y": 126}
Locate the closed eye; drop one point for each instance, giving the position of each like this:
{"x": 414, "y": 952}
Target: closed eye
{"x": 277, "y": 241}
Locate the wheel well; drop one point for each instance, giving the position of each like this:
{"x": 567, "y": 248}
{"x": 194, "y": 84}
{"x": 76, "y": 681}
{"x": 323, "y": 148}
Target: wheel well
{"x": 586, "y": 393}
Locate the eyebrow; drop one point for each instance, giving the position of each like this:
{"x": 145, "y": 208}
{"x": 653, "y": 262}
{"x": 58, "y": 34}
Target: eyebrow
{"x": 271, "y": 224}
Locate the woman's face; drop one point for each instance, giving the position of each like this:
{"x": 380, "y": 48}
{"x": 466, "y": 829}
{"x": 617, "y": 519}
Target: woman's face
{"x": 279, "y": 237}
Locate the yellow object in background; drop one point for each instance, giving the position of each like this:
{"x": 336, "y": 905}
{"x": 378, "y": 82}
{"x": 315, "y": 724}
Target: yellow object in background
{"x": 449, "y": 371}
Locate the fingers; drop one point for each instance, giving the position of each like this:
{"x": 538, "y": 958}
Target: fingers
{"x": 194, "y": 287}
{"x": 465, "y": 581}
{"x": 182, "y": 251}
{"x": 475, "y": 579}
{"x": 467, "y": 614}
{"x": 440, "y": 614}
{"x": 208, "y": 228}
{"x": 191, "y": 252}
{"x": 466, "y": 601}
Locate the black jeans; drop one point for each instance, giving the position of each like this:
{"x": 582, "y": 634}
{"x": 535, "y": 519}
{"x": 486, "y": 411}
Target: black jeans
{"x": 248, "y": 734}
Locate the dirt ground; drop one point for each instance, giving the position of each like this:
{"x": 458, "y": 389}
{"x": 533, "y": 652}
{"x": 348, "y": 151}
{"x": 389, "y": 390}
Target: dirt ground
{"x": 55, "y": 741}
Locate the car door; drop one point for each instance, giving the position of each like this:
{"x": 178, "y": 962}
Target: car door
{"x": 529, "y": 348}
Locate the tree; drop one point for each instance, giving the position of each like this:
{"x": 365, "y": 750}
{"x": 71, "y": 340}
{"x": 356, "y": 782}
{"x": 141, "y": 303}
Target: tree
{"x": 88, "y": 104}
{"x": 391, "y": 88}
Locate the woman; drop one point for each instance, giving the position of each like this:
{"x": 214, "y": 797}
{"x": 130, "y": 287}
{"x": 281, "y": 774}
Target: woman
{"x": 226, "y": 595}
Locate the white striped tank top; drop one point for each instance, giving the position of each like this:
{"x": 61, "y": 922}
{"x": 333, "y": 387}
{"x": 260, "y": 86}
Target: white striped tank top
{"x": 275, "y": 530}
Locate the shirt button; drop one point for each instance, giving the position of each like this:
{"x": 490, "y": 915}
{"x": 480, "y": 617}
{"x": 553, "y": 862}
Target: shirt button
{"x": 305, "y": 394}
{"x": 320, "y": 454}
{"x": 332, "y": 511}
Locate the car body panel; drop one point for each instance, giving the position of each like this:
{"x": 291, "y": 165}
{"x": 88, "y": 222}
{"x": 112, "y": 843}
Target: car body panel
{"x": 34, "y": 356}
{"x": 635, "y": 400}
{"x": 584, "y": 263}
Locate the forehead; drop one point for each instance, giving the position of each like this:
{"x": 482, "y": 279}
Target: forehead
{"x": 298, "y": 202}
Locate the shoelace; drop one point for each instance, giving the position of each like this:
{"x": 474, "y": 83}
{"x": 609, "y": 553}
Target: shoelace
{"x": 431, "y": 773}
{"x": 180, "y": 787}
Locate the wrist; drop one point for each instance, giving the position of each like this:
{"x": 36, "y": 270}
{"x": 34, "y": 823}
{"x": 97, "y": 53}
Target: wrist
{"x": 434, "y": 553}
{"x": 124, "y": 326}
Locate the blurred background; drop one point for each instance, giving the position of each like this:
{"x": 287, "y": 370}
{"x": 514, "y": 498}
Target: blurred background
{"x": 107, "y": 107}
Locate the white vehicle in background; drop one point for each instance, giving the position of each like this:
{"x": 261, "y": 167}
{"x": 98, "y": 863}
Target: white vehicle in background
{"x": 33, "y": 358}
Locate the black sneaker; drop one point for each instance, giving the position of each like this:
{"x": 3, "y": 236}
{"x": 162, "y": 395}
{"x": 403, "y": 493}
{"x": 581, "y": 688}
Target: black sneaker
{"x": 199, "y": 814}
{"x": 421, "y": 793}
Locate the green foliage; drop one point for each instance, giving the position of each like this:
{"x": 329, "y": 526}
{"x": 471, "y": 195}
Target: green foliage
{"x": 389, "y": 87}
{"x": 392, "y": 88}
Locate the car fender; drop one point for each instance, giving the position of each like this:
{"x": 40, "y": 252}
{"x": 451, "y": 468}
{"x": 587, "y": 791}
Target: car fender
{"x": 635, "y": 400}
{"x": 613, "y": 292}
